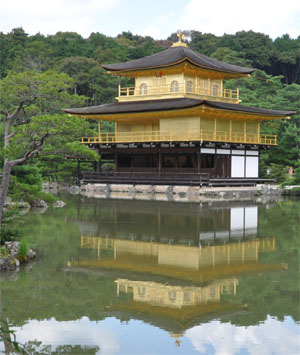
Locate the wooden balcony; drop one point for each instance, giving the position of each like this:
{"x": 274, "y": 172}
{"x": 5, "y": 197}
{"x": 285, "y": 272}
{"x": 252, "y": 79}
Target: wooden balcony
{"x": 181, "y": 136}
{"x": 165, "y": 92}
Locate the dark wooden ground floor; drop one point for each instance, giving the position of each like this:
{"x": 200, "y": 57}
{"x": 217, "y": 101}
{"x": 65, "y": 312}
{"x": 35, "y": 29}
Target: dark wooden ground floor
{"x": 166, "y": 179}
{"x": 170, "y": 164}
{"x": 161, "y": 161}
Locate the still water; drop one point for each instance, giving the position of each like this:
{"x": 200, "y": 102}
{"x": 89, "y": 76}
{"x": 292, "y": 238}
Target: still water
{"x": 146, "y": 277}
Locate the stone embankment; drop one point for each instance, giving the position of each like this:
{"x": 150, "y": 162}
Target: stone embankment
{"x": 12, "y": 260}
{"x": 181, "y": 193}
{"x": 37, "y": 206}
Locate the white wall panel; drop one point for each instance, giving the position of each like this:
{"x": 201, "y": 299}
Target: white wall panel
{"x": 208, "y": 150}
{"x": 238, "y": 152}
{"x": 251, "y": 167}
{"x": 251, "y": 152}
{"x": 223, "y": 151}
{"x": 237, "y": 166}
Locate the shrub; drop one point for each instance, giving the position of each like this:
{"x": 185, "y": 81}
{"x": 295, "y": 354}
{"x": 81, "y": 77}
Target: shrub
{"x": 23, "y": 249}
{"x": 278, "y": 172}
{"x": 106, "y": 167}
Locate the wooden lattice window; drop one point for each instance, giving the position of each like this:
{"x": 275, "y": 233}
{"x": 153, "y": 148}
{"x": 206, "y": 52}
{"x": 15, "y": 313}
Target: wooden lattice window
{"x": 172, "y": 296}
{"x": 190, "y": 86}
{"x": 143, "y": 89}
{"x": 215, "y": 90}
{"x": 174, "y": 86}
{"x": 141, "y": 292}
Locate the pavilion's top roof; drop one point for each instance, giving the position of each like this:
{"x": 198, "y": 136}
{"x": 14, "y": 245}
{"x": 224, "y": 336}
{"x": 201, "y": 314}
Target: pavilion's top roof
{"x": 177, "y": 55}
{"x": 169, "y": 104}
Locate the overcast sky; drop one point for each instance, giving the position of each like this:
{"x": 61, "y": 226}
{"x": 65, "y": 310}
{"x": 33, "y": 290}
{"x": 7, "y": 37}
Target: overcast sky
{"x": 157, "y": 18}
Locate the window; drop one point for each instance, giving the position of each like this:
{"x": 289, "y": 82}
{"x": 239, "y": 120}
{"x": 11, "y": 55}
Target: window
{"x": 215, "y": 90}
{"x": 143, "y": 89}
{"x": 172, "y": 296}
{"x": 174, "y": 86}
{"x": 142, "y": 292}
{"x": 186, "y": 297}
{"x": 189, "y": 86}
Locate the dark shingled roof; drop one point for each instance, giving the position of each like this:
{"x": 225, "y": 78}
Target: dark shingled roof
{"x": 175, "y": 55}
{"x": 169, "y": 104}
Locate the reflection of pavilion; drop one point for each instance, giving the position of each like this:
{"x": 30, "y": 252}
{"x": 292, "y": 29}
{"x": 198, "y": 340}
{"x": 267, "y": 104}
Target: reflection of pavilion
{"x": 173, "y": 267}
{"x": 178, "y": 255}
{"x": 157, "y": 294}
{"x": 180, "y": 305}
{"x": 174, "y": 286}
{"x": 169, "y": 222}
{"x": 182, "y": 262}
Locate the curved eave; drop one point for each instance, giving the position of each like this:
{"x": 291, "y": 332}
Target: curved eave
{"x": 174, "y": 64}
{"x": 198, "y": 107}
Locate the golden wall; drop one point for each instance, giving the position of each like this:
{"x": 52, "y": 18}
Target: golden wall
{"x": 184, "y": 125}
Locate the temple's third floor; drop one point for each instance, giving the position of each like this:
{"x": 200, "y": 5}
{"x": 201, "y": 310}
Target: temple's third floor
{"x": 178, "y": 72}
{"x": 177, "y": 85}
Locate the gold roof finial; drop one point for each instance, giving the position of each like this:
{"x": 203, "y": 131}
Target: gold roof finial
{"x": 176, "y": 336}
{"x": 180, "y": 36}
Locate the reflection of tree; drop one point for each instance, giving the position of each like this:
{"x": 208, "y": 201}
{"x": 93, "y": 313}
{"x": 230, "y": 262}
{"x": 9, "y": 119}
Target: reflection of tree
{"x": 36, "y": 347}
{"x": 6, "y": 335}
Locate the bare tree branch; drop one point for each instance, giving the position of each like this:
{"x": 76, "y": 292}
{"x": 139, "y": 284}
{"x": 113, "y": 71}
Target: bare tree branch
{"x": 35, "y": 148}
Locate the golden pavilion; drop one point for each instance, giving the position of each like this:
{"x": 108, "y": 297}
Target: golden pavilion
{"x": 178, "y": 124}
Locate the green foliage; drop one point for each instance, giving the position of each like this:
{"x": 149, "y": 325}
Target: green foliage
{"x": 28, "y": 174}
{"x": 278, "y": 172}
{"x": 108, "y": 167}
{"x": 23, "y": 249}
{"x": 293, "y": 180}
{"x": 9, "y": 231}
{"x": 4, "y": 252}
{"x": 42, "y": 93}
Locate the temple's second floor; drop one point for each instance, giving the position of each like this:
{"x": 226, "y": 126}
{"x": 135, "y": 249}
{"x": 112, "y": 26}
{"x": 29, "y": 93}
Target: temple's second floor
{"x": 180, "y": 120}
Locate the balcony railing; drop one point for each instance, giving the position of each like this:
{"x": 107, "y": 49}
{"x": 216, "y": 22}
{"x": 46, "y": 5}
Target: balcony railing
{"x": 180, "y": 89}
{"x": 181, "y": 136}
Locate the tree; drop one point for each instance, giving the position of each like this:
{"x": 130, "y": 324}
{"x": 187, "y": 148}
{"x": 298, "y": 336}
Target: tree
{"x": 78, "y": 69}
{"x": 286, "y": 58}
{"x": 29, "y": 115}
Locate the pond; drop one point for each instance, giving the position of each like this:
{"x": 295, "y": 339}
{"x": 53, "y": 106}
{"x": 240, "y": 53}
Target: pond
{"x": 147, "y": 277}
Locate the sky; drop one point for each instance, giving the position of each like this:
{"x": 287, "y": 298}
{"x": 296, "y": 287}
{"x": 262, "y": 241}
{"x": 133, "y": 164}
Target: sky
{"x": 270, "y": 337}
{"x": 156, "y": 18}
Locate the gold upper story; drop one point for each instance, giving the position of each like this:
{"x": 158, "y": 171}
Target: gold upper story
{"x": 179, "y": 78}
{"x": 176, "y": 83}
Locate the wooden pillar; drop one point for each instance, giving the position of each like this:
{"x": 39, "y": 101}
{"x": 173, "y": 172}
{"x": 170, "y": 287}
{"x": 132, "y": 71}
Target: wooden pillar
{"x": 198, "y": 162}
{"x": 99, "y": 165}
{"x": 131, "y": 162}
{"x": 159, "y": 161}
{"x": 215, "y": 128}
{"x": 99, "y": 130}
{"x": 116, "y": 161}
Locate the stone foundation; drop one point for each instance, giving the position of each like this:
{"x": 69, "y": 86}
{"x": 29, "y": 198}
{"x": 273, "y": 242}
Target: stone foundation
{"x": 180, "y": 193}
